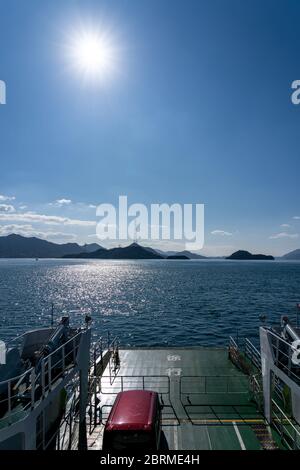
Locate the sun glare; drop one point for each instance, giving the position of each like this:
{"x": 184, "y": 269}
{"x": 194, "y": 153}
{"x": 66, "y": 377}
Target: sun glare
{"x": 93, "y": 55}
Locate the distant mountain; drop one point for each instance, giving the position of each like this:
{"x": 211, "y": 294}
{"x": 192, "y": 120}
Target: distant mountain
{"x": 164, "y": 253}
{"x": 190, "y": 255}
{"x": 178, "y": 257}
{"x": 16, "y": 246}
{"x": 90, "y": 248}
{"x": 156, "y": 252}
{"x": 133, "y": 251}
{"x": 245, "y": 255}
{"x": 186, "y": 253}
{"x": 292, "y": 255}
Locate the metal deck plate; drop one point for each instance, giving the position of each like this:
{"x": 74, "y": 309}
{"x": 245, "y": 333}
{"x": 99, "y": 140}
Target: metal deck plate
{"x": 206, "y": 399}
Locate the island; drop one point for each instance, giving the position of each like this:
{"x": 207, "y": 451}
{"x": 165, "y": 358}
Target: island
{"x": 133, "y": 251}
{"x": 246, "y": 255}
{"x": 17, "y": 246}
{"x": 292, "y": 255}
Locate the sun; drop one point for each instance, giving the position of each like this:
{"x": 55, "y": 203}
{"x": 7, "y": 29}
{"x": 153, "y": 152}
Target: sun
{"x": 93, "y": 54}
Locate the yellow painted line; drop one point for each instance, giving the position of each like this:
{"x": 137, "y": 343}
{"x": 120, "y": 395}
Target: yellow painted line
{"x": 230, "y": 421}
{"x": 208, "y": 421}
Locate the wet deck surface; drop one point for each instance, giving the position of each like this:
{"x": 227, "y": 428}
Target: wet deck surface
{"x": 206, "y": 398}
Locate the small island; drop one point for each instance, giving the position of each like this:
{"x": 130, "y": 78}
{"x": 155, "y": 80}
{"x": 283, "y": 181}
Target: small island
{"x": 246, "y": 255}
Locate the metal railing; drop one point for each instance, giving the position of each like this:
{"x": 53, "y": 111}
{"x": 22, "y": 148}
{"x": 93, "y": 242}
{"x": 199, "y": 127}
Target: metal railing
{"x": 104, "y": 355}
{"x": 257, "y": 391}
{"x": 99, "y": 348}
{"x": 122, "y": 383}
{"x": 248, "y": 350}
{"x": 288, "y": 430}
{"x": 282, "y": 356}
{"x": 213, "y": 384}
{"x": 30, "y": 387}
{"x": 218, "y": 400}
{"x": 68, "y": 429}
{"x": 13, "y": 393}
{"x": 252, "y": 353}
{"x": 232, "y": 343}
{"x": 56, "y": 364}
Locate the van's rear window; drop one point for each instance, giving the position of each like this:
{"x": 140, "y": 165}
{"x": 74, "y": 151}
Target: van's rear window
{"x": 127, "y": 439}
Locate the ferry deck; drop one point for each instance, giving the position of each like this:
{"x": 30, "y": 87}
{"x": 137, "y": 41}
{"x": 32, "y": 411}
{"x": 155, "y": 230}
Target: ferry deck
{"x": 207, "y": 401}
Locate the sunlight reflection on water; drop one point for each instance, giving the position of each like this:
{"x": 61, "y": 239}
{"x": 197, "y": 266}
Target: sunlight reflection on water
{"x": 149, "y": 302}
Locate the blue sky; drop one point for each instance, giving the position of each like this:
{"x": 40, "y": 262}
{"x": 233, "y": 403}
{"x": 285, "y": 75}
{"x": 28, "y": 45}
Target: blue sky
{"x": 198, "y": 111}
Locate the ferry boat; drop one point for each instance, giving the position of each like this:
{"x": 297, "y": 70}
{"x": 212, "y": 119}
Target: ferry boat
{"x": 59, "y": 390}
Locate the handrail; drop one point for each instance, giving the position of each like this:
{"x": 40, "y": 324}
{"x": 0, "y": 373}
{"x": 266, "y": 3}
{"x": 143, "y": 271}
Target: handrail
{"x": 232, "y": 342}
{"x": 98, "y": 346}
{"x": 15, "y": 378}
{"x": 251, "y": 345}
{"x": 252, "y": 353}
{"x": 278, "y": 344}
{"x": 16, "y": 339}
{"x": 286, "y": 417}
{"x": 282, "y": 428}
{"x": 52, "y": 367}
{"x": 226, "y": 380}
{"x": 64, "y": 345}
{"x": 277, "y": 336}
{"x": 254, "y": 378}
{"x": 165, "y": 387}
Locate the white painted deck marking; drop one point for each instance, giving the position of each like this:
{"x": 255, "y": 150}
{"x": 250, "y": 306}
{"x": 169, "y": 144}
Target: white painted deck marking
{"x": 174, "y": 357}
{"x": 175, "y": 371}
{"x": 209, "y": 441}
{"x": 238, "y": 435}
{"x": 175, "y": 437}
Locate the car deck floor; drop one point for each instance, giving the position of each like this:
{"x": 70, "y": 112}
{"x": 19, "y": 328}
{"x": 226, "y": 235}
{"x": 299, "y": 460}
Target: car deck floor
{"x": 206, "y": 399}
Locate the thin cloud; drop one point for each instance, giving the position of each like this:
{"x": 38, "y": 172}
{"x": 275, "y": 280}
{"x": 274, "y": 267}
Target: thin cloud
{"x": 60, "y": 236}
{"x": 60, "y": 202}
{"x": 30, "y": 231}
{"x": 296, "y": 217}
{"x": 283, "y": 235}
{"x": 82, "y": 206}
{"x": 7, "y": 198}
{"x": 31, "y": 217}
{"x": 15, "y": 228}
{"x": 7, "y": 208}
{"x": 63, "y": 201}
{"x": 285, "y": 225}
{"x": 222, "y": 233}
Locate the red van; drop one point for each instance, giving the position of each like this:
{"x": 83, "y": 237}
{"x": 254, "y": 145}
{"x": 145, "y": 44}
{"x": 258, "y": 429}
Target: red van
{"x": 134, "y": 422}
